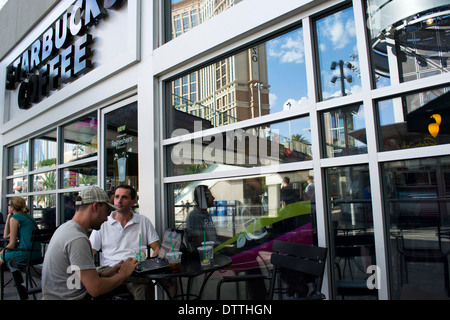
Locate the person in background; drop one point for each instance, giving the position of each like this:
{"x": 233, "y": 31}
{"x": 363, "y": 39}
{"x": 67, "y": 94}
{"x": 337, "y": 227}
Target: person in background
{"x": 199, "y": 224}
{"x": 19, "y": 228}
{"x": 309, "y": 190}
{"x": 69, "y": 271}
{"x": 118, "y": 238}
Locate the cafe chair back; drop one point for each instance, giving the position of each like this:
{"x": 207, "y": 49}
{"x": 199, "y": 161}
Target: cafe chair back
{"x": 16, "y": 273}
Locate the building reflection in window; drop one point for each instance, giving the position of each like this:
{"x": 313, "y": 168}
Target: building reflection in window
{"x": 266, "y": 78}
{"x": 408, "y": 39}
{"x": 183, "y": 15}
{"x": 338, "y": 55}
{"x": 344, "y": 131}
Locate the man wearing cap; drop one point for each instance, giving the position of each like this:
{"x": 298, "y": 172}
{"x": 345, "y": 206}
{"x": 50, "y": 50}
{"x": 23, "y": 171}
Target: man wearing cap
{"x": 120, "y": 236}
{"x": 69, "y": 272}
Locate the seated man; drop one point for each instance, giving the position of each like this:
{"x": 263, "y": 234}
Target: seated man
{"x": 69, "y": 251}
{"x": 199, "y": 224}
{"x": 118, "y": 238}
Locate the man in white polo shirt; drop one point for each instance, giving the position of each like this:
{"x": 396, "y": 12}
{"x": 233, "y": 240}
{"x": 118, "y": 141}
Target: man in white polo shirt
{"x": 118, "y": 238}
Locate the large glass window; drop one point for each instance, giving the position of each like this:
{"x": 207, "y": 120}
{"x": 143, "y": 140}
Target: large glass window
{"x": 80, "y": 139}
{"x": 183, "y": 15}
{"x": 338, "y": 55}
{"x": 415, "y": 120}
{"x": 352, "y": 243}
{"x": 408, "y": 40}
{"x": 344, "y": 131}
{"x": 121, "y": 144}
{"x": 245, "y": 216}
{"x": 272, "y": 144}
{"x": 45, "y": 151}
{"x": 417, "y": 206}
{"x": 40, "y": 168}
{"x": 261, "y": 80}
{"x": 18, "y": 159}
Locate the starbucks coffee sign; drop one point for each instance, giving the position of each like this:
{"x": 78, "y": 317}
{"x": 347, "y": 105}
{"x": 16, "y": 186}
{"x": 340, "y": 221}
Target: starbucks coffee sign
{"x": 60, "y": 55}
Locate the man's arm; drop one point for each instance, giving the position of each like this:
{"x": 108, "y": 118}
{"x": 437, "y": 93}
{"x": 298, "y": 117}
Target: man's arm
{"x": 96, "y": 285}
{"x": 155, "y": 246}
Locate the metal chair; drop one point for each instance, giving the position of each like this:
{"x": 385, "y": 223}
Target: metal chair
{"x": 16, "y": 273}
{"x": 30, "y": 266}
{"x": 297, "y": 272}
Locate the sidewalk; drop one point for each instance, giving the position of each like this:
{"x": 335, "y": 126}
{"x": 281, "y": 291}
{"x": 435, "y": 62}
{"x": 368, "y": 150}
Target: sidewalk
{"x": 10, "y": 292}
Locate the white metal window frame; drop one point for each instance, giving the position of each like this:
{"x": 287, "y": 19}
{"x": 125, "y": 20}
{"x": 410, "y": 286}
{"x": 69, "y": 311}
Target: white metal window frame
{"x": 265, "y": 22}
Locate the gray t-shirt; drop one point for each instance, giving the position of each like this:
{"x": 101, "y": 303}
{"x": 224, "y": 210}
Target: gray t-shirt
{"x": 69, "y": 251}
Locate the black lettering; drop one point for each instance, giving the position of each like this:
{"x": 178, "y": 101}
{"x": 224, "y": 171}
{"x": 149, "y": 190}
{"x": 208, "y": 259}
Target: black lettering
{"x": 32, "y": 89}
{"x": 25, "y": 65}
{"x": 82, "y": 52}
{"x": 10, "y": 78}
{"x": 54, "y": 73}
{"x": 67, "y": 64}
{"x": 93, "y": 12}
{"x": 62, "y": 33}
{"x": 22, "y": 99}
{"x": 43, "y": 82}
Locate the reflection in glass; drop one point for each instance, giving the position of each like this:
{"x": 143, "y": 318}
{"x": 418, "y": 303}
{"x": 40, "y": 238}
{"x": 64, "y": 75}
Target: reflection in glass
{"x": 122, "y": 147}
{"x": 272, "y": 144}
{"x": 264, "y": 79}
{"x": 344, "y": 131}
{"x": 45, "y": 151}
{"x": 18, "y": 185}
{"x": 18, "y": 159}
{"x": 80, "y": 138}
{"x": 187, "y": 14}
{"x": 80, "y": 176}
{"x": 44, "y": 210}
{"x": 338, "y": 55}
{"x": 44, "y": 181}
{"x": 408, "y": 39}
{"x": 69, "y": 200}
{"x": 350, "y": 216}
{"x": 247, "y": 214}
{"x": 414, "y": 121}
{"x": 417, "y": 206}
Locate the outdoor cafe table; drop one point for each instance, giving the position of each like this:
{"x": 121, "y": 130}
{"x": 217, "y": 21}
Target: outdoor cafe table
{"x": 190, "y": 269}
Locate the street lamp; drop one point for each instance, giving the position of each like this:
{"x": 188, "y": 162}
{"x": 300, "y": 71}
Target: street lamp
{"x": 342, "y": 77}
{"x": 260, "y": 86}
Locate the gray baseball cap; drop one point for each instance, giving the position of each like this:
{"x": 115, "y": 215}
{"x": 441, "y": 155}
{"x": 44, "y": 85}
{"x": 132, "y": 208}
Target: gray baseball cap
{"x": 93, "y": 194}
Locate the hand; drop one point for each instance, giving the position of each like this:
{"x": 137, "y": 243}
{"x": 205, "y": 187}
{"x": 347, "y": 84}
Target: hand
{"x": 112, "y": 271}
{"x": 128, "y": 266}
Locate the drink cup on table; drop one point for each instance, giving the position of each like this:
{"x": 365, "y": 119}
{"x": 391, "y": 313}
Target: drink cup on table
{"x": 174, "y": 259}
{"x": 206, "y": 255}
{"x": 141, "y": 253}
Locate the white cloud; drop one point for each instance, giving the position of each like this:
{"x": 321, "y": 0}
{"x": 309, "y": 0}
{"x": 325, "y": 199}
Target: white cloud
{"x": 339, "y": 31}
{"x": 296, "y": 104}
{"x": 289, "y": 49}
